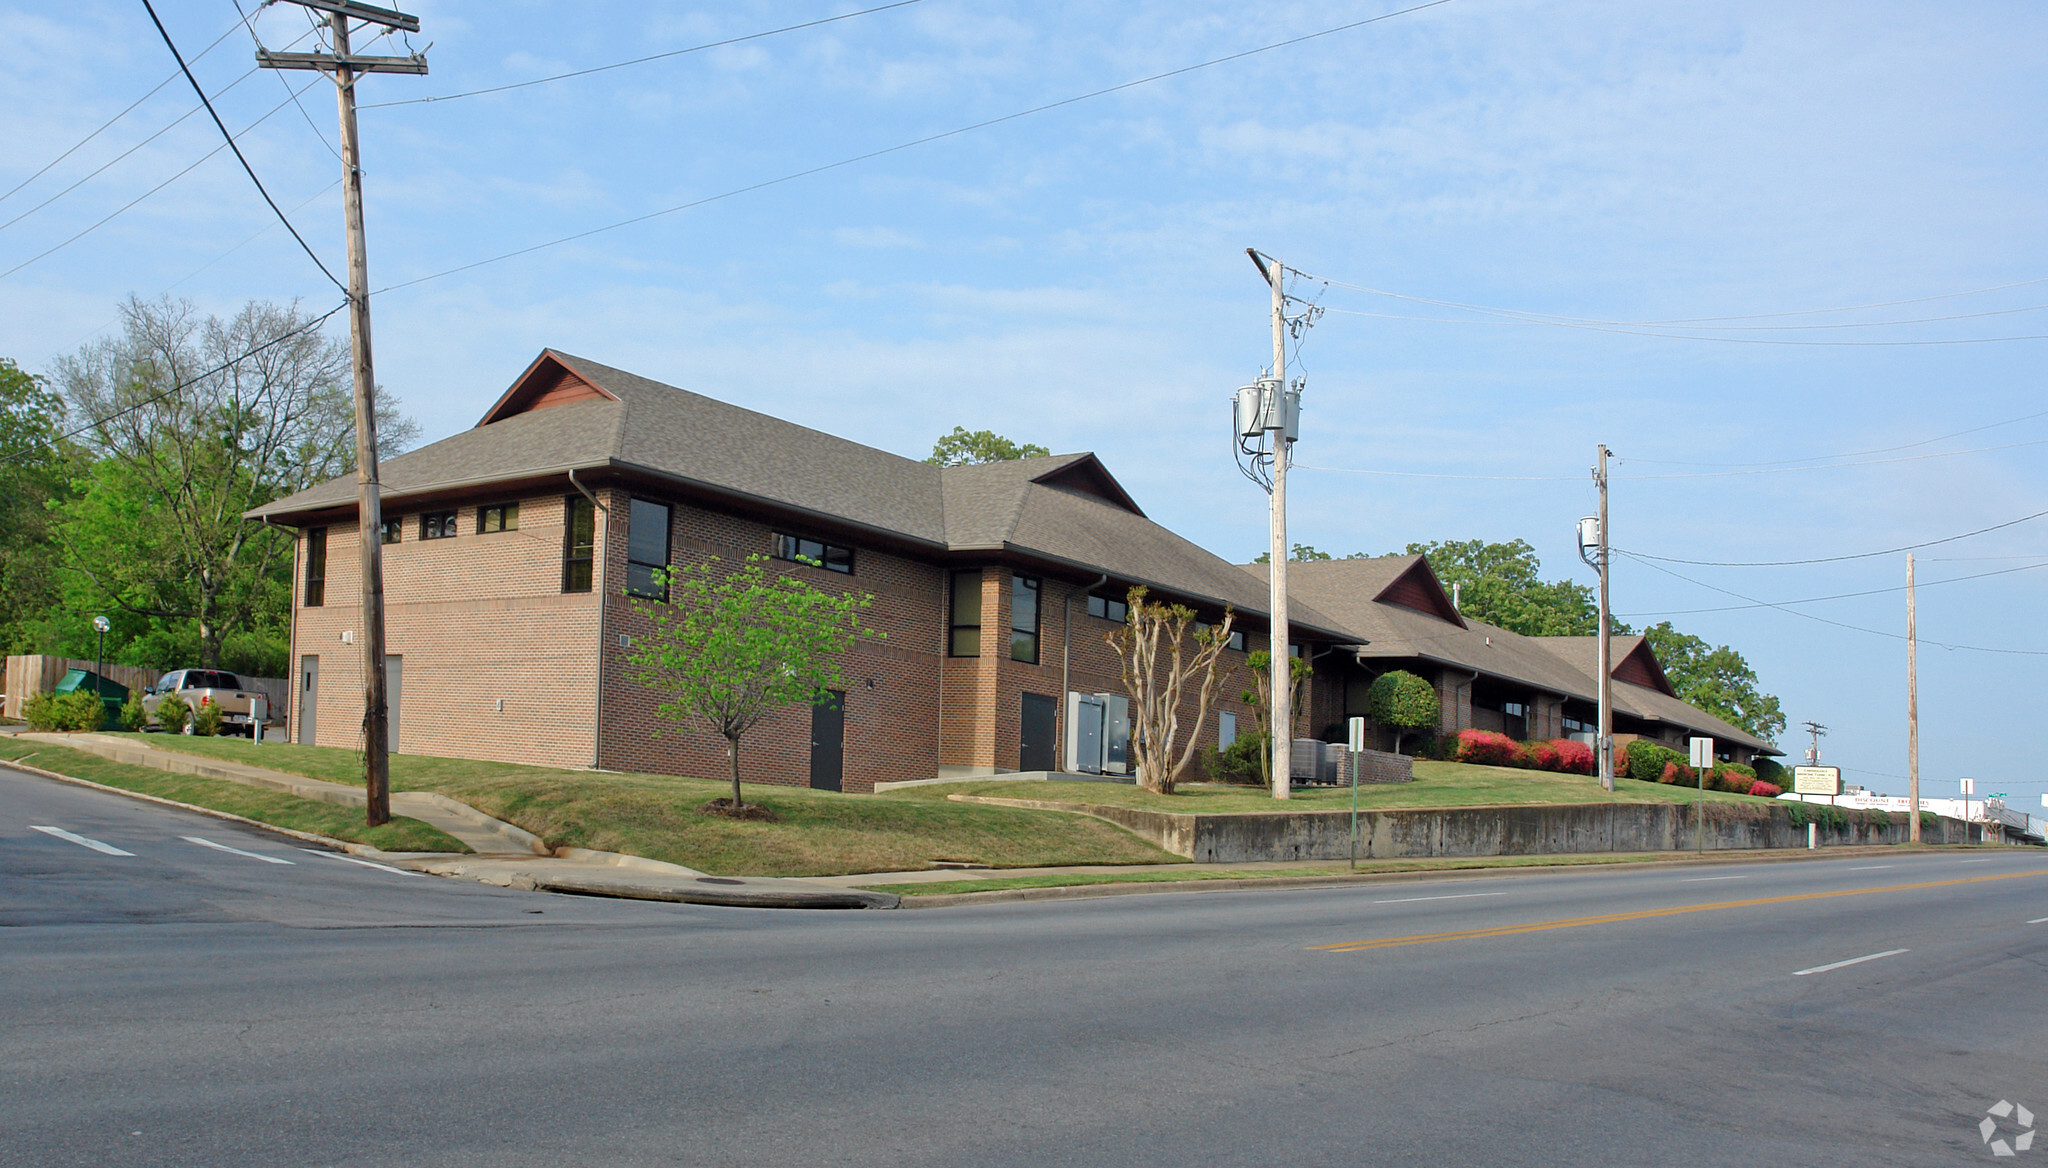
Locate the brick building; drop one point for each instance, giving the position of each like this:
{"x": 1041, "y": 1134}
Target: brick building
{"x": 1397, "y": 616}
{"x": 510, "y": 551}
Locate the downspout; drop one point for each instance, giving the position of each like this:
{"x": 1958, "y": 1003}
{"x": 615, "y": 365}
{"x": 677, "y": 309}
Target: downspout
{"x": 1059, "y": 728}
{"x": 291, "y": 661}
{"x": 603, "y": 602}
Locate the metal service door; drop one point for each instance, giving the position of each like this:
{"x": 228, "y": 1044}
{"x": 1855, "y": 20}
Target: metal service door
{"x": 1036, "y": 740}
{"x": 309, "y": 696}
{"x": 828, "y": 742}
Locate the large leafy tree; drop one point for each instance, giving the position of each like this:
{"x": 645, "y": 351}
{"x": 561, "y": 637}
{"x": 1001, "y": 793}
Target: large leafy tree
{"x": 1716, "y": 679}
{"x": 192, "y": 421}
{"x": 734, "y": 645}
{"x": 1499, "y": 584}
{"x": 35, "y": 468}
{"x": 966, "y": 448}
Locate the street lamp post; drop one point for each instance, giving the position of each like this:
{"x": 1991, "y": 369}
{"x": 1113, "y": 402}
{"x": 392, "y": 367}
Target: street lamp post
{"x": 100, "y": 625}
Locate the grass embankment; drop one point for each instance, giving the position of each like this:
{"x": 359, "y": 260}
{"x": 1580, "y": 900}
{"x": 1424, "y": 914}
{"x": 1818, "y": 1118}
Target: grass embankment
{"x": 1437, "y": 784}
{"x": 816, "y": 833}
{"x": 272, "y": 807}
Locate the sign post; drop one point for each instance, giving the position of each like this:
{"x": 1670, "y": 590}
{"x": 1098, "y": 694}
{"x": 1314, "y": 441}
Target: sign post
{"x": 1357, "y": 744}
{"x": 1969, "y": 789}
{"x": 1702, "y": 760}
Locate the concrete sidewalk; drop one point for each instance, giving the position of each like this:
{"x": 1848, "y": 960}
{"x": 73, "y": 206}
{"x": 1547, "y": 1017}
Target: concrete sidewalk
{"x": 505, "y": 855}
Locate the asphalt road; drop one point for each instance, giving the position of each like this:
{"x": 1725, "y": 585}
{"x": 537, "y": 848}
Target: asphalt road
{"x": 186, "y": 1005}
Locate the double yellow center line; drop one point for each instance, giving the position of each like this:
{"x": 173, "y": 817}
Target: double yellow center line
{"x": 1646, "y": 914}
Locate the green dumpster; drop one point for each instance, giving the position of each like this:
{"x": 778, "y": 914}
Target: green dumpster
{"x": 113, "y": 695}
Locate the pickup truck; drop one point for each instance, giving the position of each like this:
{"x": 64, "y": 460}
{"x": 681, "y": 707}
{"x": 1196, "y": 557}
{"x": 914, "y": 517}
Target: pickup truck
{"x": 217, "y": 687}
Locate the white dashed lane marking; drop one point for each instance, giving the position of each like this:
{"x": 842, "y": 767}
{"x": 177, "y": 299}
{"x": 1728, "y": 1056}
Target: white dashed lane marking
{"x": 207, "y": 843}
{"x": 80, "y": 840}
{"x": 364, "y": 863}
{"x": 1704, "y": 879}
{"x": 1452, "y": 896}
{"x": 1851, "y": 961}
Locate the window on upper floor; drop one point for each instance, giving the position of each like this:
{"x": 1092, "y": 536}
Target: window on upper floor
{"x": 963, "y": 637}
{"x": 1236, "y": 640}
{"x": 316, "y": 567}
{"x": 647, "y": 549}
{"x": 393, "y": 531}
{"x": 437, "y": 525}
{"x": 1024, "y": 592}
{"x": 1112, "y": 610}
{"x": 579, "y": 543}
{"x": 816, "y": 553}
{"x": 497, "y": 517}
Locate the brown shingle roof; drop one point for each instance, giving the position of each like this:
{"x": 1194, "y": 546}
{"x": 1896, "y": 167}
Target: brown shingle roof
{"x": 1063, "y": 509}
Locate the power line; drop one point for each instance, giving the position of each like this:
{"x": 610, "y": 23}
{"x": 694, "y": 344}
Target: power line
{"x": 1838, "y": 559}
{"x": 1836, "y": 596}
{"x": 1723, "y": 474}
{"x": 913, "y": 143}
{"x": 317, "y": 131}
{"x": 1636, "y": 332}
{"x": 151, "y": 400}
{"x": 1680, "y": 322}
{"x": 1850, "y": 454}
{"x": 1824, "y": 620}
{"x": 1416, "y": 474}
{"x": 641, "y": 60}
{"x": 123, "y": 208}
{"x": 108, "y": 124}
{"x": 250, "y": 170}
{"x": 118, "y": 158}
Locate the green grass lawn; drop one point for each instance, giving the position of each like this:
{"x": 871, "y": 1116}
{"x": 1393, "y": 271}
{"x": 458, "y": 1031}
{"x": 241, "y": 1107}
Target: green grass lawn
{"x": 817, "y": 833}
{"x": 1437, "y": 784}
{"x": 272, "y": 807}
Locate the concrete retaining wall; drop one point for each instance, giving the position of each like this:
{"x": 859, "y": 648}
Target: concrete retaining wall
{"x": 1532, "y": 830}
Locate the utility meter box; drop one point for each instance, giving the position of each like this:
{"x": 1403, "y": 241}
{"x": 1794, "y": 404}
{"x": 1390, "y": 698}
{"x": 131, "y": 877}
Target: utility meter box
{"x": 1098, "y": 734}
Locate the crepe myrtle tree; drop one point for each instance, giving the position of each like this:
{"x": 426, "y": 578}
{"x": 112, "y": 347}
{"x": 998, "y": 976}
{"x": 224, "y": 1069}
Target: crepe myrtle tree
{"x": 1260, "y": 699}
{"x": 1160, "y": 660}
{"x": 732, "y": 645}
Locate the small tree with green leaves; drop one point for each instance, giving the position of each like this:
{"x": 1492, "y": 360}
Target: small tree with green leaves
{"x": 1403, "y": 701}
{"x": 1260, "y": 699}
{"x": 734, "y": 645}
{"x": 1159, "y": 663}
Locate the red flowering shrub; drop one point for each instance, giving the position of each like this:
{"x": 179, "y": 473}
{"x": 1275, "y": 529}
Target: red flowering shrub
{"x": 1677, "y": 774}
{"x": 1767, "y": 790}
{"x": 1486, "y": 748}
{"x": 1736, "y": 781}
{"x": 1573, "y": 758}
{"x": 1543, "y": 756}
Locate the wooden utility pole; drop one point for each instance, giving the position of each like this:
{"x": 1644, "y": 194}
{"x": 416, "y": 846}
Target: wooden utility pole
{"x": 1282, "y": 672}
{"x": 1605, "y": 747}
{"x": 346, "y": 67}
{"x": 1912, "y": 709}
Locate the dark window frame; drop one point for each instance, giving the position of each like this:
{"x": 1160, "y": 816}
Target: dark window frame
{"x": 955, "y": 626}
{"x": 1032, "y": 586}
{"x": 791, "y": 548}
{"x": 508, "y": 518}
{"x": 1109, "y": 609}
{"x": 1236, "y": 640}
{"x": 315, "y": 594}
{"x": 393, "y": 531}
{"x": 637, "y": 568}
{"x": 579, "y": 560}
{"x": 438, "y": 524}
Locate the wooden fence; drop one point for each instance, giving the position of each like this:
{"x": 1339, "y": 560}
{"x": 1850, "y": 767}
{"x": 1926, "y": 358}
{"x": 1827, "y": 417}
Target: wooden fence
{"x": 38, "y": 673}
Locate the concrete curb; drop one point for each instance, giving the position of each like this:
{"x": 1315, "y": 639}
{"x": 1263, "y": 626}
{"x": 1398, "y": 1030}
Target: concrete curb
{"x": 325, "y": 841}
{"x": 583, "y": 871}
{"x": 1343, "y": 879}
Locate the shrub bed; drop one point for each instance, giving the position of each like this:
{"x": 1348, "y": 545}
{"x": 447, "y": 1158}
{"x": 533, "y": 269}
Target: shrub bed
{"x": 1486, "y": 748}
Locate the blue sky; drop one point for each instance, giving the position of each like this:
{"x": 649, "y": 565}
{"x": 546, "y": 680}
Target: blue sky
{"x": 1077, "y": 277}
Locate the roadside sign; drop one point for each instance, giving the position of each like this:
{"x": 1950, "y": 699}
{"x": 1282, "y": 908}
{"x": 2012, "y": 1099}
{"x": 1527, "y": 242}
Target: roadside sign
{"x": 1357, "y": 735}
{"x": 1969, "y": 786}
{"x": 1702, "y": 753}
{"x": 1817, "y": 780}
